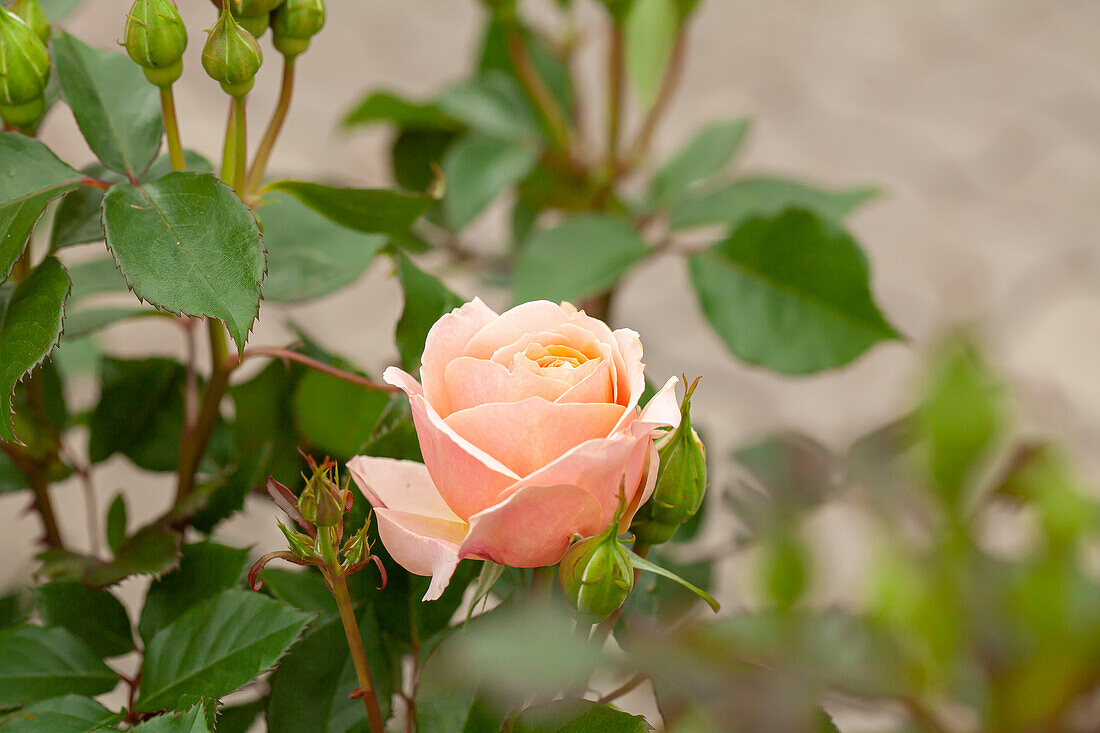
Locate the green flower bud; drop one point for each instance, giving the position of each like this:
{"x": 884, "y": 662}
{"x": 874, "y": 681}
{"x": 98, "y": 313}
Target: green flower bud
{"x": 26, "y": 114}
{"x": 596, "y": 575}
{"x": 300, "y": 545}
{"x": 30, "y": 11}
{"x": 294, "y": 23}
{"x": 155, "y": 39}
{"x": 681, "y": 481}
{"x": 323, "y": 501}
{"x": 232, "y": 56}
{"x": 356, "y": 548}
{"x": 24, "y": 67}
{"x": 255, "y": 15}
{"x": 255, "y": 24}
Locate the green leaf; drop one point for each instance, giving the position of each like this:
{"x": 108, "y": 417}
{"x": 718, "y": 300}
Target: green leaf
{"x": 68, "y": 714}
{"x": 310, "y": 689}
{"x": 239, "y": 718}
{"x": 31, "y": 314}
{"x": 205, "y": 569}
{"x": 116, "y": 523}
{"x": 152, "y": 550}
{"x": 477, "y": 169}
{"x": 41, "y": 663}
{"x": 762, "y": 196}
{"x": 649, "y": 37}
{"x": 416, "y": 155}
{"x": 215, "y": 647}
{"x": 17, "y": 221}
{"x": 57, "y": 9}
{"x": 28, "y": 169}
{"x": 368, "y": 210}
{"x": 140, "y": 412}
{"x": 426, "y": 300}
{"x": 707, "y": 153}
{"x": 335, "y": 416}
{"x": 194, "y": 720}
{"x": 264, "y": 423}
{"x": 583, "y": 255}
{"x": 494, "y": 105}
{"x": 117, "y": 110}
{"x": 578, "y": 716}
{"x": 95, "y": 277}
{"x": 86, "y": 322}
{"x": 640, "y": 563}
{"x": 307, "y": 255}
{"x": 790, "y": 293}
{"x": 383, "y": 106}
{"x": 93, "y": 615}
{"x": 303, "y": 589}
{"x": 546, "y": 61}
{"x": 187, "y": 244}
{"x": 14, "y": 607}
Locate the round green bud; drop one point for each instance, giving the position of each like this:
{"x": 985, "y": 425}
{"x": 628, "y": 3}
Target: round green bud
{"x": 232, "y": 56}
{"x": 294, "y": 23}
{"x": 596, "y": 576}
{"x": 26, "y": 114}
{"x": 681, "y": 482}
{"x": 254, "y": 8}
{"x": 155, "y": 39}
{"x": 32, "y": 14}
{"x": 255, "y": 24}
{"x": 24, "y": 62}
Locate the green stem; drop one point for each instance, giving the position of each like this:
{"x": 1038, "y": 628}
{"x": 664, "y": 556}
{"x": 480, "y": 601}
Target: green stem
{"x": 537, "y": 90}
{"x": 172, "y": 128}
{"x": 615, "y": 93}
{"x": 240, "y": 143}
{"x": 229, "y": 148}
{"x": 196, "y": 440}
{"x": 355, "y": 641}
{"x": 278, "y": 118}
{"x": 35, "y": 474}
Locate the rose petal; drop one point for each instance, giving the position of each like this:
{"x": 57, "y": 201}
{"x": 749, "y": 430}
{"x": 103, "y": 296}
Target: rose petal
{"x": 527, "y": 435}
{"x": 472, "y": 382}
{"x": 631, "y": 383}
{"x": 532, "y": 527}
{"x": 468, "y": 478}
{"x": 651, "y": 463}
{"x": 594, "y": 387}
{"x": 533, "y": 317}
{"x": 662, "y": 410}
{"x": 445, "y": 342}
{"x": 402, "y": 485}
{"x": 422, "y": 545}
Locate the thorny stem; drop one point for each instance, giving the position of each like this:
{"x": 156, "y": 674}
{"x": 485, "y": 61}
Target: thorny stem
{"x": 355, "y": 642}
{"x": 172, "y": 128}
{"x": 197, "y": 438}
{"x": 240, "y": 143}
{"x": 278, "y": 117}
{"x": 319, "y": 366}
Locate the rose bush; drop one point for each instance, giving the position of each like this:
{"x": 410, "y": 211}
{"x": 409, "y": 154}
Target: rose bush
{"x": 530, "y": 429}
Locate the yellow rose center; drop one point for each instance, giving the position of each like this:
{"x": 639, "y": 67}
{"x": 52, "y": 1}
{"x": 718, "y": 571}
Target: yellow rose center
{"x": 555, "y": 356}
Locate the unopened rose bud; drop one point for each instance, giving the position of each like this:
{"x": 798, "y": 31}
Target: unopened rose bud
{"x": 255, "y": 15}
{"x": 681, "y": 482}
{"x": 356, "y": 548}
{"x": 300, "y": 545}
{"x": 295, "y": 23}
{"x": 156, "y": 39}
{"x": 232, "y": 56}
{"x": 596, "y": 575}
{"x": 32, "y": 14}
{"x": 322, "y": 502}
{"x": 24, "y": 71}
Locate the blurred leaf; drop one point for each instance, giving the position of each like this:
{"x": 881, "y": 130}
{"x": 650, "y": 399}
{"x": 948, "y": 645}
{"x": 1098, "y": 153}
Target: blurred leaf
{"x": 41, "y": 663}
{"x": 395, "y": 435}
{"x": 57, "y": 9}
{"x": 369, "y": 210}
{"x": 152, "y": 550}
{"x": 763, "y": 196}
{"x": 85, "y": 322}
{"x": 578, "y": 716}
{"x": 264, "y": 423}
{"x": 17, "y": 221}
{"x": 15, "y": 607}
{"x": 215, "y": 647}
{"x": 584, "y": 255}
{"x": 140, "y": 412}
{"x": 426, "y": 301}
{"x": 68, "y": 714}
{"x": 797, "y": 472}
{"x": 11, "y": 478}
{"x": 790, "y": 293}
{"x": 961, "y": 415}
{"x": 240, "y": 718}
{"x": 95, "y": 277}
{"x": 477, "y": 169}
{"x": 187, "y": 244}
{"x": 193, "y": 720}
{"x": 383, "y": 106}
{"x": 493, "y": 105}
{"x": 401, "y": 614}
{"x": 649, "y": 37}
{"x": 416, "y": 154}
{"x": 205, "y": 569}
{"x": 335, "y": 416}
{"x": 31, "y": 314}
{"x": 116, "y": 523}
{"x": 307, "y": 255}
{"x": 303, "y": 589}
{"x": 117, "y": 110}
{"x": 31, "y": 169}
{"x": 92, "y": 615}
{"x": 707, "y": 153}
{"x": 310, "y": 689}
{"x": 495, "y": 57}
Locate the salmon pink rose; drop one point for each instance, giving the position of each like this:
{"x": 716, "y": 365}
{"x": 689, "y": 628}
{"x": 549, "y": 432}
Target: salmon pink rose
{"x": 529, "y": 425}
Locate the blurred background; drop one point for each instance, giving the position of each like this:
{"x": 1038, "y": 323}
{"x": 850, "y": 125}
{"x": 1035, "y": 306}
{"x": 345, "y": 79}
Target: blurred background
{"x": 979, "y": 120}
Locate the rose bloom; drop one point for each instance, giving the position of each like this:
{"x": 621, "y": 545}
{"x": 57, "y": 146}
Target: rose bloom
{"x": 530, "y": 430}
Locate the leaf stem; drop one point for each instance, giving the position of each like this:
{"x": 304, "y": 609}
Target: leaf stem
{"x": 355, "y": 644}
{"x": 640, "y": 148}
{"x": 198, "y": 437}
{"x": 229, "y": 149}
{"x": 629, "y": 686}
{"x": 536, "y": 89}
{"x": 171, "y": 128}
{"x": 319, "y": 366}
{"x": 274, "y": 127}
{"x": 240, "y": 143}
{"x": 616, "y": 92}
{"x": 36, "y": 477}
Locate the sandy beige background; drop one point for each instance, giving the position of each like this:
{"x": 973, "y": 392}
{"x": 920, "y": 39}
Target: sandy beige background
{"x": 979, "y": 118}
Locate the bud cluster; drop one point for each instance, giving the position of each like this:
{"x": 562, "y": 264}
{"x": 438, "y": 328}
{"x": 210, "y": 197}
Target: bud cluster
{"x": 24, "y": 69}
